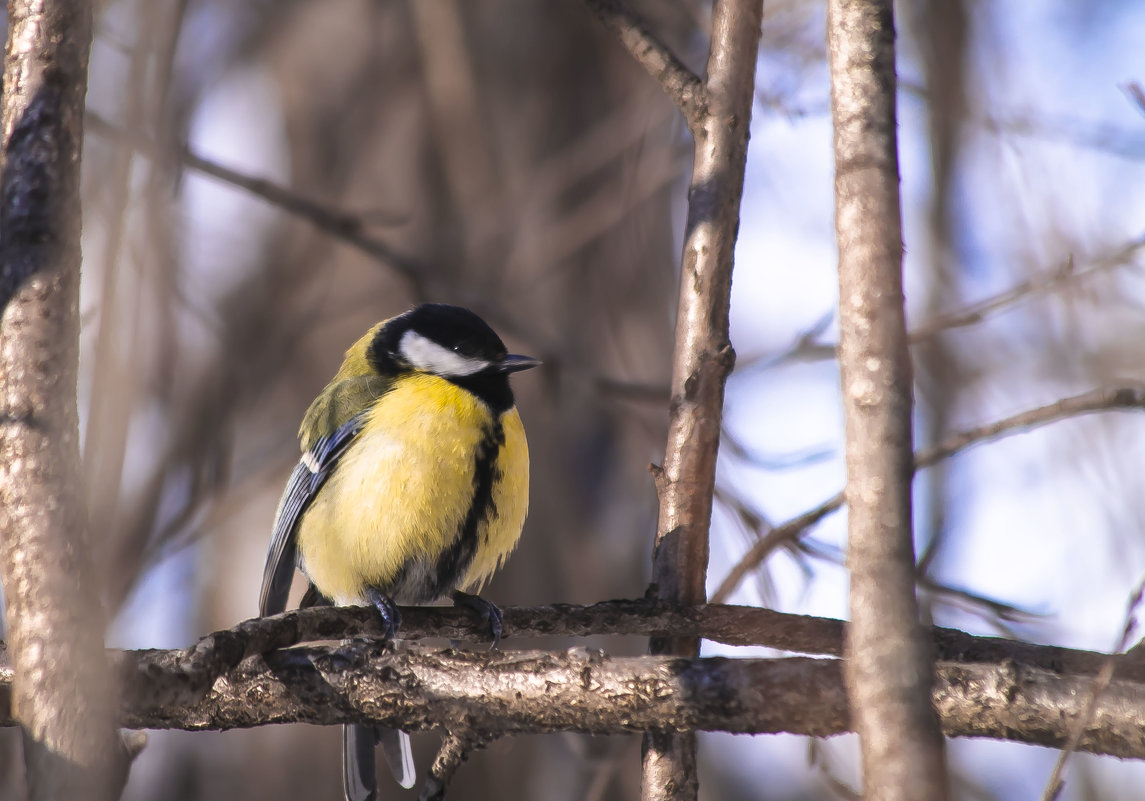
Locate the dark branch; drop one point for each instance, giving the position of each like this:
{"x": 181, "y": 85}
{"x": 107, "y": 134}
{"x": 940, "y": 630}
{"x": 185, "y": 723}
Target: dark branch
{"x": 201, "y": 665}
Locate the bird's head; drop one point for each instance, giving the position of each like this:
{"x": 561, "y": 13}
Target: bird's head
{"x": 444, "y": 340}
{"x": 450, "y": 342}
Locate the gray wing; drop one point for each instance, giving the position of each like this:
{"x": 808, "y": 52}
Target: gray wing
{"x": 308, "y": 477}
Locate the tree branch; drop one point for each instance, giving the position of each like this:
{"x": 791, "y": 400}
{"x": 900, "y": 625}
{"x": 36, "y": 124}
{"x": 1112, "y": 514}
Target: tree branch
{"x": 889, "y": 669}
{"x": 60, "y": 685}
{"x": 1056, "y": 279}
{"x": 454, "y": 750}
{"x": 678, "y": 82}
{"x": 348, "y": 228}
{"x": 580, "y": 690}
{"x": 702, "y": 356}
{"x": 1102, "y": 399}
{"x": 182, "y": 677}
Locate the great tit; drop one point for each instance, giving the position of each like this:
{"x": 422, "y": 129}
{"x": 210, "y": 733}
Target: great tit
{"x": 413, "y": 487}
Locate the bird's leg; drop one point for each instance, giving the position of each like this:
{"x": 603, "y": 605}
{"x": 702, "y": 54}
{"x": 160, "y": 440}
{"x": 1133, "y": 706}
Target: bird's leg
{"x": 486, "y": 611}
{"x": 391, "y": 617}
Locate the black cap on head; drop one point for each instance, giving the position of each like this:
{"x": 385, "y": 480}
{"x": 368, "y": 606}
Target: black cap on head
{"x": 453, "y": 343}
{"x": 453, "y": 327}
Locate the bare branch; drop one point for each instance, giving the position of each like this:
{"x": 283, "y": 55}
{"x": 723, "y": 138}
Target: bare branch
{"x": 977, "y": 312}
{"x": 987, "y": 687}
{"x": 454, "y": 750}
{"x": 806, "y": 348}
{"x": 703, "y": 356}
{"x": 1102, "y": 399}
{"x": 1100, "y": 685}
{"x": 889, "y": 669}
{"x": 203, "y": 663}
{"x": 585, "y": 691}
{"x": 1097, "y": 400}
{"x": 60, "y": 692}
{"x": 349, "y": 228}
{"x": 678, "y": 82}
{"x": 773, "y": 539}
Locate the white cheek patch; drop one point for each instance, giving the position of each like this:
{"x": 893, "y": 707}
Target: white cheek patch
{"x": 427, "y": 355}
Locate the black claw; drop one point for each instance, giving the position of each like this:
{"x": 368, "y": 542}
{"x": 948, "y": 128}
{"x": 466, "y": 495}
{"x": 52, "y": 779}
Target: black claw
{"x": 487, "y": 611}
{"x": 391, "y": 617}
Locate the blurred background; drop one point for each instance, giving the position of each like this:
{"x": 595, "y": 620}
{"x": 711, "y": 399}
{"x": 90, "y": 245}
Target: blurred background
{"x": 507, "y": 155}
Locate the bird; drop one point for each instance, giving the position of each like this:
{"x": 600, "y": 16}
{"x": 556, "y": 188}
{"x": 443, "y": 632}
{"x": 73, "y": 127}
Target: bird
{"x": 413, "y": 487}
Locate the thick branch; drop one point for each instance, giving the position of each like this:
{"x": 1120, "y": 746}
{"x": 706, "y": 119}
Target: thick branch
{"x": 454, "y": 749}
{"x": 987, "y": 687}
{"x": 60, "y": 693}
{"x": 702, "y": 356}
{"x": 585, "y": 691}
{"x": 889, "y": 666}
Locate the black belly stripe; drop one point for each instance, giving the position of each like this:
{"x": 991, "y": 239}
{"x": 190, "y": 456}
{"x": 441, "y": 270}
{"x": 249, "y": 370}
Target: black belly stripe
{"x": 455, "y": 560}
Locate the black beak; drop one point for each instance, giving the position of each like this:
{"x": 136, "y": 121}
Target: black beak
{"x": 514, "y": 363}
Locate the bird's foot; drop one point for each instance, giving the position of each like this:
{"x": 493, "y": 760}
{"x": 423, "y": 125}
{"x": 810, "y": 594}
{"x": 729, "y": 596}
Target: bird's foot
{"x": 391, "y": 617}
{"x": 487, "y": 611}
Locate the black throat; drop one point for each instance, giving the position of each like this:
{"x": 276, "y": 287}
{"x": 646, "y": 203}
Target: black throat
{"x": 491, "y": 388}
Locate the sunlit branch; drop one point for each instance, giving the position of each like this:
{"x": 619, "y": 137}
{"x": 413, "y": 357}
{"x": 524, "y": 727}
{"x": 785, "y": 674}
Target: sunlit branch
{"x": 583, "y": 690}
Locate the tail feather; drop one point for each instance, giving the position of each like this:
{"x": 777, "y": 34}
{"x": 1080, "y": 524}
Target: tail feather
{"x": 358, "y": 774}
{"x": 396, "y": 749}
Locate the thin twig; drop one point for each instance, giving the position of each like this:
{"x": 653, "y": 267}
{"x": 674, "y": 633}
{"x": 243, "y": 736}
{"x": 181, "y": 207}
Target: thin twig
{"x": 680, "y": 84}
{"x": 1097, "y": 400}
{"x": 977, "y": 312}
{"x": 770, "y": 541}
{"x": 1100, "y": 684}
{"x": 1102, "y": 399}
{"x": 806, "y": 348}
{"x": 349, "y": 228}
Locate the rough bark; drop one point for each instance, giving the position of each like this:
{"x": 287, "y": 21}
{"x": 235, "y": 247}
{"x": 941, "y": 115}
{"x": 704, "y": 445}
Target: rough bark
{"x": 59, "y": 692}
{"x": 890, "y": 666}
{"x": 587, "y": 691}
{"x": 703, "y": 355}
{"x": 203, "y": 663}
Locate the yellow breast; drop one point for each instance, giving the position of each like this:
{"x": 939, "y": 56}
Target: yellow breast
{"x": 400, "y": 495}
